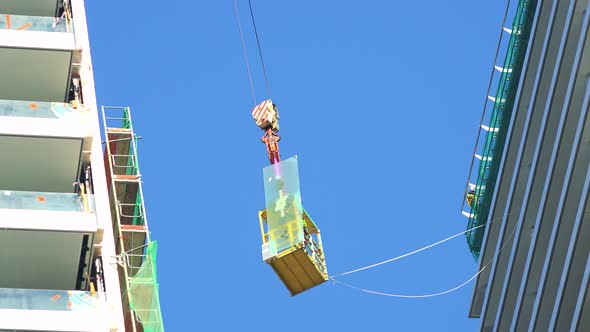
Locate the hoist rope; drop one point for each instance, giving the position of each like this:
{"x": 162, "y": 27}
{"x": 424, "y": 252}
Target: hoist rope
{"x": 432, "y": 294}
{"x": 259, "y": 49}
{"x": 245, "y": 52}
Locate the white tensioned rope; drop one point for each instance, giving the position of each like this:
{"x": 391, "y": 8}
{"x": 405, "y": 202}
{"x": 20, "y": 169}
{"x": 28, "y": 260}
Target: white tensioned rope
{"x": 432, "y": 294}
{"x": 417, "y": 250}
{"x": 409, "y": 253}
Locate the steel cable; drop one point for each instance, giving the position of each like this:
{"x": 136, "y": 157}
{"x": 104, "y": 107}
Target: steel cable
{"x": 245, "y": 52}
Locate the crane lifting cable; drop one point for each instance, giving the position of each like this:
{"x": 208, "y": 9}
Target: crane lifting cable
{"x": 411, "y": 296}
{"x": 245, "y": 50}
{"x": 259, "y": 49}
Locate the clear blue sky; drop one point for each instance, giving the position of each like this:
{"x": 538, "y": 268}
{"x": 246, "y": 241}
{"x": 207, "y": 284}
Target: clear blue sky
{"x": 379, "y": 99}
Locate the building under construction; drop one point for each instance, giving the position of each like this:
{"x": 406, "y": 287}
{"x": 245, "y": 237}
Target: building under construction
{"x": 75, "y": 249}
{"x": 530, "y": 178}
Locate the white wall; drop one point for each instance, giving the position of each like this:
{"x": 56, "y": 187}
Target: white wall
{"x": 114, "y": 304}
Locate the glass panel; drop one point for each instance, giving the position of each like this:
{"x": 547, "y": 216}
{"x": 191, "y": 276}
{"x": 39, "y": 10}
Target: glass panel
{"x": 33, "y": 23}
{"x": 42, "y": 299}
{"x": 91, "y": 202}
{"x": 284, "y": 211}
{"x": 31, "y": 200}
{"x": 34, "y": 109}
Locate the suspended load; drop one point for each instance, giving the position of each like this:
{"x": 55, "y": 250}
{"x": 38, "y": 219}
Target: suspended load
{"x": 291, "y": 241}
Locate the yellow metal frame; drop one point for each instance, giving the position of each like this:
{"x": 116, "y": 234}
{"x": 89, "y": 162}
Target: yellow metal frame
{"x": 302, "y": 266}
{"x": 312, "y": 228}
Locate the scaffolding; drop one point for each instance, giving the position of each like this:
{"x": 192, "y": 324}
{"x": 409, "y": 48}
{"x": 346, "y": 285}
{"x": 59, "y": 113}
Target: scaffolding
{"x": 484, "y": 174}
{"x": 135, "y": 250}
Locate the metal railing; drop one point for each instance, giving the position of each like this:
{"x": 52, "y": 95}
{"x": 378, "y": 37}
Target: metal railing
{"x": 123, "y": 169}
{"x": 310, "y": 241}
{"x": 486, "y": 171}
{"x": 315, "y": 252}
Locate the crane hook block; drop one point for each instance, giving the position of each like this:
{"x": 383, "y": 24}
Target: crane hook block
{"x": 266, "y": 115}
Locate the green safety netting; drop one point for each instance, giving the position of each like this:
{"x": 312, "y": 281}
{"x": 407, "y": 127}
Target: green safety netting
{"x": 126, "y": 119}
{"x": 144, "y": 297}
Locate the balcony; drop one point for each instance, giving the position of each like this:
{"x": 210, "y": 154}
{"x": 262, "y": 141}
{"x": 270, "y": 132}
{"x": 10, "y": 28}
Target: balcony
{"x": 43, "y": 201}
{"x": 485, "y": 173}
{"x": 34, "y": 23}
{"x": 36, "y": 57}
{"x": 42, "y": 144}
{"x": 45, "y": 299}
{"x": 50, "y": 310}
{"x": 31, "y": 7}
{"x": 45, "y": 239}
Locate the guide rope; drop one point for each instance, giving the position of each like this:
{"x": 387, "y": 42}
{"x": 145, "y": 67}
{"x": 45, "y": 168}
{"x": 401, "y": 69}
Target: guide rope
{"x": 431, "y": 294}
{"x": 409, "y": 253}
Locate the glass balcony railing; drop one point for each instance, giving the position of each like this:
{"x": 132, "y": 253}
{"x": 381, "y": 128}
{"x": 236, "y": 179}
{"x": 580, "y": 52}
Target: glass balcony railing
{"x": 284, "y": 210}
{"x": 486, "y": 172}
{"x": 34, "y": 23}
{"x": 30, "y": 200}
{"x": 42, "y": 299}
{"x": 35, "y": 109}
